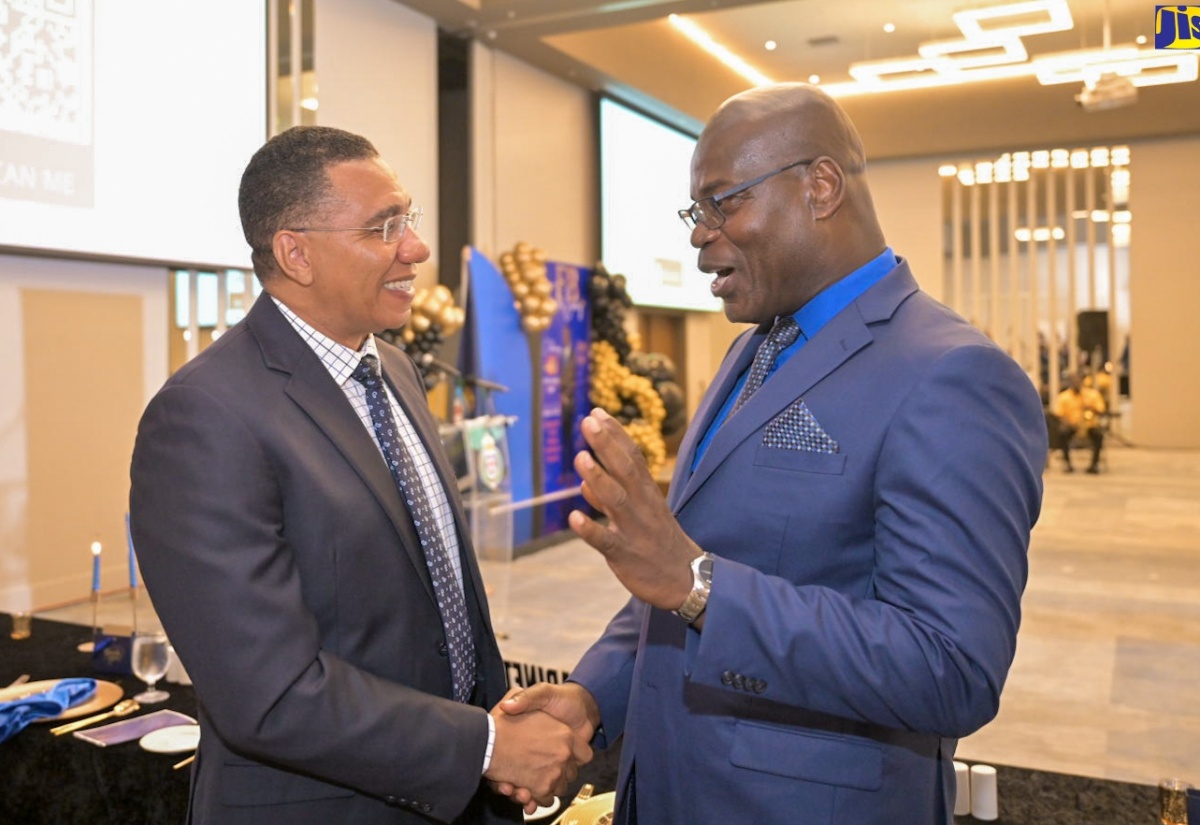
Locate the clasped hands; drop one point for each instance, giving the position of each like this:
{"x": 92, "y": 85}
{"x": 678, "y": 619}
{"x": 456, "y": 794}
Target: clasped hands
{"x": 542, "y": 736}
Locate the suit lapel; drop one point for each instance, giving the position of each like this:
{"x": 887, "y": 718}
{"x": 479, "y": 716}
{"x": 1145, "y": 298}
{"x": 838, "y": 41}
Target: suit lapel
{"x": 313, "y": 390}
{"x": 844, "y": 335}
{"x": 737, "y": 360}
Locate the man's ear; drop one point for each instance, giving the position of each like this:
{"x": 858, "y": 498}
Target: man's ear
{"x": 826, "y": 189}
{"x": 292, "y": 256}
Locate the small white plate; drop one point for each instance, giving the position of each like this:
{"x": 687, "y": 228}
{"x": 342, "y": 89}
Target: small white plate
{"x": 544, "y": 811}
{"x": 175, "y": 739}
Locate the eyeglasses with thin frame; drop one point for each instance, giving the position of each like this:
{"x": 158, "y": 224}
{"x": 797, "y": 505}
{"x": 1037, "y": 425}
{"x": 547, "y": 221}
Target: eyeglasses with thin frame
{"x": 392, "y": 230}
{"x": 707, "y": 212}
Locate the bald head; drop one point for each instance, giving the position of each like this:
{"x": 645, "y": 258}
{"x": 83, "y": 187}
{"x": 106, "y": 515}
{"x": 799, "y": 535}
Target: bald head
{"x": 789, "y": 119}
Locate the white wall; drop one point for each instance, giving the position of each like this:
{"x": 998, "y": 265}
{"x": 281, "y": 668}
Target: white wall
{"x": 376, "y": 67}
{"x": 907, "y": 195}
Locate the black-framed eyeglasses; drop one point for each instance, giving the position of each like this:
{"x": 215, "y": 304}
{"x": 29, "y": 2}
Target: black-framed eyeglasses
{"x": 707, "y": 212}
{"x": 392, "y": 230}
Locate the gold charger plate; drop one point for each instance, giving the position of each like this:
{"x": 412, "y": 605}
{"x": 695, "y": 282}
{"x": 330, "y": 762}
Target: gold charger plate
{"x": 595, "y": 811}
{"x": 106, "y": 695}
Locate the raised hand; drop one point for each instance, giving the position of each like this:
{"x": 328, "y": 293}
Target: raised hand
{"x": 643, "y": 543}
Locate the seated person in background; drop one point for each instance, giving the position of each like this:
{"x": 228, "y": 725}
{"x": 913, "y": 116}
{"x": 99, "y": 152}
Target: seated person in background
{"x": 1078, "y": 409}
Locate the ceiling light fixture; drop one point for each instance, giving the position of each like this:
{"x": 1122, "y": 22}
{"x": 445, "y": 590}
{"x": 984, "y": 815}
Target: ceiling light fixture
{"x": 705, "y": 41}
{"x": 992, "y": 49}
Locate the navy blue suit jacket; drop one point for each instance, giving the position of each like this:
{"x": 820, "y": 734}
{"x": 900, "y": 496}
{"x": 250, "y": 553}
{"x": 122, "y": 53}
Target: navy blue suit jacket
{"x": 870, "y": 509}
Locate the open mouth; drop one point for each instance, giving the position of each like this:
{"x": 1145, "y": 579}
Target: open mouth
{"x": 408, "y": 287}
{"x": 721, "y": 282}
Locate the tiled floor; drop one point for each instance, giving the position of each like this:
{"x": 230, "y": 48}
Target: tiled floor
{"x": 1107, "y": 677}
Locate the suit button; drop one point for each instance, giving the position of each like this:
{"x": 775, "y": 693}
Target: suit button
{"x": 391, "y": 800}
{"x": 442, "y": 651}
{"x": 760, "y": 686}
{"x": 426, "y": 807}
{"x": 727, "y": 677}
{"x": 739, "y": 681}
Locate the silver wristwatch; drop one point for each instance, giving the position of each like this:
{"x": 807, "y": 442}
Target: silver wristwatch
{"x": 693, "y": 606}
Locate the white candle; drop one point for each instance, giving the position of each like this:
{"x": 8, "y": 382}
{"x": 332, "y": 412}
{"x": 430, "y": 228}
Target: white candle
{"x": 985, "y": 804}
{"x": 962, "y": 789}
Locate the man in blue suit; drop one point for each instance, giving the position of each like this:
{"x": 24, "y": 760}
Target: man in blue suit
{"x": 829, "y": 597}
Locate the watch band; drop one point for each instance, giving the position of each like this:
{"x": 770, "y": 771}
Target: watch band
{"x": 693, "y": 606}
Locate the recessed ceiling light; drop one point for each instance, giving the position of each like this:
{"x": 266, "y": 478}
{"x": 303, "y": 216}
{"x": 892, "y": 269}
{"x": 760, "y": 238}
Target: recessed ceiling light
{"x": 889, "y": 27}
{"x": 770, "y": 45}
{"x": 1140, "y": 40}
{"x": 814, "y": 79}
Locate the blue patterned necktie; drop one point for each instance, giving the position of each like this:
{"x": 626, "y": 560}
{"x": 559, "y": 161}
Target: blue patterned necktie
{"x": 446, "y": 589}
{"x": 782, "y": 335}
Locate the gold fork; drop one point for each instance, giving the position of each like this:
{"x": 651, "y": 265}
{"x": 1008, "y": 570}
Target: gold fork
{"x": 122, "y": 708}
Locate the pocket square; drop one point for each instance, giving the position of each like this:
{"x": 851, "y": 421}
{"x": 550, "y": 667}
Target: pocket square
{"x": 796, "y": 428}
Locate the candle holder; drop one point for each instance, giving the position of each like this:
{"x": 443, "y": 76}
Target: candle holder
{"x": 133, "y": 605}
{"x": 88, "y": 647}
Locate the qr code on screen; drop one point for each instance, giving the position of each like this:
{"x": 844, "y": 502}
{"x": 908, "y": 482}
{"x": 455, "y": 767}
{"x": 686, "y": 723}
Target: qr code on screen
{"x": 46, "y": 68}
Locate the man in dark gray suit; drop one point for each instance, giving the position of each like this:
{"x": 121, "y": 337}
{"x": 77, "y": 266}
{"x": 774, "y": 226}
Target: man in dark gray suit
{"x": 285, "y": 564}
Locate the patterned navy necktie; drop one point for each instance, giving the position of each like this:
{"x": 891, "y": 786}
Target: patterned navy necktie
{"x": 446, "y": 588}
{"x": 782, "y": 335}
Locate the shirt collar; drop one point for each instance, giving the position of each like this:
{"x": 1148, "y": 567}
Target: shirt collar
{"x": 837, "y": 296}
{"x": 339, "y": 359}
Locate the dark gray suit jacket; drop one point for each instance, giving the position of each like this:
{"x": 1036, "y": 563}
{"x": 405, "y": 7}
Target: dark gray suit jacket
{"x": 290, "y": 580}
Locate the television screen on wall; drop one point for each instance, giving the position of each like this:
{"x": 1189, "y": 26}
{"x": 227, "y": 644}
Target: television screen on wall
{"x": 125, "y": 126}
{"x": 645, "y": 174}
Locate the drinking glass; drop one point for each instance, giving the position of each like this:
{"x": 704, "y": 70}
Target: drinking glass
{"x": 1172, "y": 802}
{"x": 151, "y": 654}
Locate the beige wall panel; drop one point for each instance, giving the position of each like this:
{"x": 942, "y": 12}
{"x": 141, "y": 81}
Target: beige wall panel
{"x": 546, "y": 186}
{"x": 84, "y": 395}
{"x": 1164, "y": 294}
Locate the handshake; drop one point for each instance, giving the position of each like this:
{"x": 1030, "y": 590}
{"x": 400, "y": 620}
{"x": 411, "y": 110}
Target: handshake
{"x": 542, "y": 736}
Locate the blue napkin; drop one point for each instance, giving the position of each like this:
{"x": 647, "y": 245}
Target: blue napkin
{"x": 18, "y": 713}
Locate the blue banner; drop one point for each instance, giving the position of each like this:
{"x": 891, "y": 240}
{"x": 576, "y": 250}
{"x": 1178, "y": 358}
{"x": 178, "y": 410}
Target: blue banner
{"x": 546, "y": 375}
{"x": 565, "y": 376}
